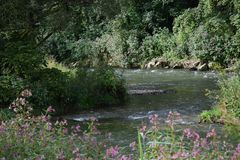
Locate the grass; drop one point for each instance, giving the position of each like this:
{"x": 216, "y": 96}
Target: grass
{"x": 51, "y": 63}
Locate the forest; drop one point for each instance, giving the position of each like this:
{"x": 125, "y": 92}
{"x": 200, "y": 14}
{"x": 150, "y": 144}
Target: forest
{"x": 66, "y": 57}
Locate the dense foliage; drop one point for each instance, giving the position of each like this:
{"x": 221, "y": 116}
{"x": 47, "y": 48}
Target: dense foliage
{"x": 141, "y": 30}
{"x": 227, "y": 109}
{"x": 99, "y": 32}
{"x": 24, "y": 30}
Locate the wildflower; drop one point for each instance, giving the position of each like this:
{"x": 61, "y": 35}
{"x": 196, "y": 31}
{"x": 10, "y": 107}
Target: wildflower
{"x": 22, "y": 101}
{"x": 143, "y": 129}
{"x": 50, "y": 109}
{"x": 161, "y": 149}
{"x": 76, "y": 150}
{"x": 173, "y": 115}
{"x": 196, "y": 152}
{"x": 26, "y": 93}
{"x": 191, "y": 134}
{"x": 153, "y": 118}
{"x": 236, "y": 154}
{"x": 64, "y": 122}
{"x": 125, "y": 158}
{"x": 25, "y": 126}
{"x": 133, "y": 146}
{"x": 178, "y": 155}
{"x": 61, "y": 156}
{"x": 204, "y": 144}
{"x": 44, "y": 118}
{"x": 49, "y": 126}
{"x": 112, "y": 152}
{"x": 65, "y": 130}
{"x": 77, "y": 128}
{"x": 212, "y": 133}
{"x": 95, "y": 130}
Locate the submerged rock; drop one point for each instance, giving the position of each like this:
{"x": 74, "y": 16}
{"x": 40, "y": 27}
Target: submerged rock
{"x": 149, "y": 92}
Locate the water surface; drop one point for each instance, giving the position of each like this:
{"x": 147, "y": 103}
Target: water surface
{"x": 186, "y": 95}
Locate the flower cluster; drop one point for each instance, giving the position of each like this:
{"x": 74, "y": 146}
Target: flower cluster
{"x": 38, "y": 137}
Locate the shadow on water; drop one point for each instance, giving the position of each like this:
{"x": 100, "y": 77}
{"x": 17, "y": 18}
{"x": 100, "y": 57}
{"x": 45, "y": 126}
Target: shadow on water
{"x": 160, "y": 91}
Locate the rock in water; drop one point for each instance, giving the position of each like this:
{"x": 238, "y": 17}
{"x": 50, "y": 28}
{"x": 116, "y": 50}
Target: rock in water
{"x": 203, "y": 67}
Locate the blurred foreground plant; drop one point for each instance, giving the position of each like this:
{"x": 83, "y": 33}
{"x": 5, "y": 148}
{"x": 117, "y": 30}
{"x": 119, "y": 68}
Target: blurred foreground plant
{"x": 38, "y": 137}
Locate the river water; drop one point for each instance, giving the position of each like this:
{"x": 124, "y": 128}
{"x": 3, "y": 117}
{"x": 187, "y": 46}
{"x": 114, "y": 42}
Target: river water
{"x": 178, "y": 90}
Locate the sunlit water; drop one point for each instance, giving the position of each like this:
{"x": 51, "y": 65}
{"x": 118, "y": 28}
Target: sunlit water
{"x": 186, "y": 96}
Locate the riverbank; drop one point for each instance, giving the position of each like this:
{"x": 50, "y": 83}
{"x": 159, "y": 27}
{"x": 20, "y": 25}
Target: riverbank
{"x": 189, "y": 64}
{"x": 227, "y": 108}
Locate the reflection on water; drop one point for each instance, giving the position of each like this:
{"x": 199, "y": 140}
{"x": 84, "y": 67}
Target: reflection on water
{"x": 187, "y": 97}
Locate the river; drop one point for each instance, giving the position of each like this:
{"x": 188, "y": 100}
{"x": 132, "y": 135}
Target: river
{"x": 179, "y": 90}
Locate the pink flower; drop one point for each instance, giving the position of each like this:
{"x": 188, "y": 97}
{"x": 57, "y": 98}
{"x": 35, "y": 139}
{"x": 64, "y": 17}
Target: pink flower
{"x": 65, "y": 130}
{"x": 196, "y": 152}
{"x": 125, "y": 158}
{"x": 204, "y": 144}
{"x": 191, "y": 134}
{"x": 112, "y": 152}
{"x": 153, "y": 119}
{"x": 180, "y": 155}
{"x": 50, "y": 109}
{"x": 64, "y": 122}
{"x": 212, "y": 133}
{"x": 44, "y": 118}
{"x": 143, "y": 129}
{"x": 77, "y": 128}
{"x": 236, "y": 154}
{"x": 173, "y": 115}
{"x": 176, "y": 155}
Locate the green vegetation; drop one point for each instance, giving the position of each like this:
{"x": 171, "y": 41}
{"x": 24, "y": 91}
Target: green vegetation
{"x": 38, "y": 137}
{"x": 227, "y": 109}
{"x": 83, "y": 34}
{"x": 58, "y": 52}
{"x": 139, "y": 31}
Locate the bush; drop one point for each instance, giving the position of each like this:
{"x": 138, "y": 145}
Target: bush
{"x": 50, "y": 87}
{"x": 210, "y": 41}
{"x": 157, "y": 45}
{"x": 66, "y": 91}
{"x": 212, "y": 116}
{"x": 6, "y": 114}
{"x": 229, "y": 94}
{"x": 10, "y": 87}
{"x": 227, "y": 110}
{"x": 228, "y": 99}
{"x": 184, "y": 25}
{"x": 99, "y": 87}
